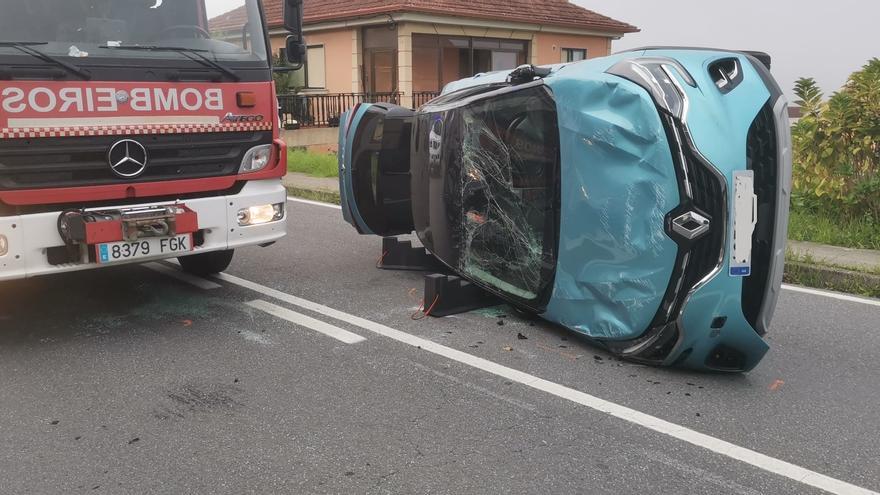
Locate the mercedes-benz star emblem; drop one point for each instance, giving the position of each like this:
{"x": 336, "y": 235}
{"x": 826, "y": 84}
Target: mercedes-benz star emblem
{"x": 127, "y": 158}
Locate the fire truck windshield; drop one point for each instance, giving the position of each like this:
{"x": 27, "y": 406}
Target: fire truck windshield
{"x": 83, "y": 32}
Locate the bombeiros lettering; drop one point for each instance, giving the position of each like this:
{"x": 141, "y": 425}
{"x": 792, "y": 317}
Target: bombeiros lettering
{"x": 16, "y": 100}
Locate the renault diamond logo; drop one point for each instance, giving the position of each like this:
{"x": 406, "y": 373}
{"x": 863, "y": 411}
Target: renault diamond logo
{"x": 127, "y": 158}
{"x": 691, "y": 225}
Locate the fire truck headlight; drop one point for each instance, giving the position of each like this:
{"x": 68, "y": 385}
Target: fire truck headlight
{"x": 256, "y": 215}
{"x": 4, "y": 245}
{"x": 256, "y": 158}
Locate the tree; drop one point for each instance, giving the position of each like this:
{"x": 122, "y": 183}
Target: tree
{"x": 837, "y": 144}
{"x": 809, "y": 94}
{"x": 287, "y": 82}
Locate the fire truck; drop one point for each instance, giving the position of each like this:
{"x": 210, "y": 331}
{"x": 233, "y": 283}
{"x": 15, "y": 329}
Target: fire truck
{"x": 138, "y": 130}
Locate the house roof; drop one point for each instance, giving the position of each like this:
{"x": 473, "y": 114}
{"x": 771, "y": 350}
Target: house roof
{"x": 545, "y": 12}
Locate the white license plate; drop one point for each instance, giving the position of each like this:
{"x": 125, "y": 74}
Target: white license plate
{"x": 114, "y": 252}
{"x": 745, "y": 217}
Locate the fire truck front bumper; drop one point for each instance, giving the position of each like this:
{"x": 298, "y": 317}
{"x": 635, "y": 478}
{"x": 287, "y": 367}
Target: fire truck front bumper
{"x": 33, "y": 245}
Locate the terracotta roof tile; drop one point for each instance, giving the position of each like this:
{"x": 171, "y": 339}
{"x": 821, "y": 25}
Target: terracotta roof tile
{"x": 546, "y": 12}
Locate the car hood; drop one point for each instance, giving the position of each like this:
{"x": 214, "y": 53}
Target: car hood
{"x": 618, "y": 183}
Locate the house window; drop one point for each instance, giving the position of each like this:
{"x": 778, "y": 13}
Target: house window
{"x": 380, "y": 60}
{"x": 315, "y": 72}
{"x": 573, "y": 54}
{"x": 438, "y": 60}
{"x": 312, "y": 75}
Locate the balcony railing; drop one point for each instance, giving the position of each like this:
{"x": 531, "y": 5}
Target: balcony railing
{"x": 422, "y": 97}
{"x": 324, "y": 110}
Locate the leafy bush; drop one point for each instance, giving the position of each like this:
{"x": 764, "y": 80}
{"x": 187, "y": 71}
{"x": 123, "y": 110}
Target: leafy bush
{"x": 837, "y": 147}
{"x": 287, "y": 82}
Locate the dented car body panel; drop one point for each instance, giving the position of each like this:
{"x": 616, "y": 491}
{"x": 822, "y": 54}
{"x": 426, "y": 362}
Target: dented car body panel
{"x": 614, "y": 196}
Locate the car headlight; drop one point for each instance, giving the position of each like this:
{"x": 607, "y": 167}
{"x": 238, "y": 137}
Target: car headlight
{"x": 256, "y": 158}
{"x": 257, "y": 215}
{"x": 655, "y": 74}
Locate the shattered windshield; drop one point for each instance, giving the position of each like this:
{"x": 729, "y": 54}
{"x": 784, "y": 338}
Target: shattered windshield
{"x": 501, "y": 155}
{"x": 83, "y": 30}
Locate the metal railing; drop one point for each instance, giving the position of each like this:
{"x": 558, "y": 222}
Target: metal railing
{"x": 324, "y": 110}
{"x": 422, "y": 97}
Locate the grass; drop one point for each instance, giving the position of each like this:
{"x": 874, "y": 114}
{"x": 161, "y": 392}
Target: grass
{"x": 809, "y": 259}
{"x": 808, "y": 276}
{"x": 322, "y": 196}
{"x": 314, "y": 164}
{"x": 861, "y": 233}
{"x": 803, "y": 269}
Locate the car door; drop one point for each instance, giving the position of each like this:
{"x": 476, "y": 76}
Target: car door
{"x": 374, "y": 169}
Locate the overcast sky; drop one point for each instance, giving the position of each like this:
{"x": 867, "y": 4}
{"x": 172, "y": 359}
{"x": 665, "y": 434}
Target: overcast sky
{"x": 824, "y": 39}
{"x": 217, "y": 7}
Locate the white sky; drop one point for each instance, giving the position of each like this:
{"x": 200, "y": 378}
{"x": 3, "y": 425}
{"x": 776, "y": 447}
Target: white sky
{"x": 217, "y": 7}
{"x": 826, "y": 40}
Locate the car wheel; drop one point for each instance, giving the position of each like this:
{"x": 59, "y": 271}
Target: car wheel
{"x": 206, "y": 263}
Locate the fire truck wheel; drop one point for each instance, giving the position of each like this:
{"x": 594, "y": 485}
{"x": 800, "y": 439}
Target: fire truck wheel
{"x": 206, "y": 263}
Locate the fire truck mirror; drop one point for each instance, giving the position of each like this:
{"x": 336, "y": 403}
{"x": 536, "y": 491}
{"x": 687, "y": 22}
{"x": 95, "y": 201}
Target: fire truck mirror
{"x": 293, "y": 17}
{"x": 296, "y": 53}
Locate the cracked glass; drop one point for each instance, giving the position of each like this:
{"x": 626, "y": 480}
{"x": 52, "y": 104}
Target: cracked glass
{"x": 501, "y": 155}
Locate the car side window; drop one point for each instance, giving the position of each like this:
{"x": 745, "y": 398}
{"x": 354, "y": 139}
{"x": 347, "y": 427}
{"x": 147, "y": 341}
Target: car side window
{"x": 509, "y": 159}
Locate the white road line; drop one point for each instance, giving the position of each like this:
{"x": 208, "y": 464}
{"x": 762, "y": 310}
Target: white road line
{"x": 761, "y": 461}
{"x": 832, "y": 295}
{"x": 182, "y": 276}
{"x": 314, "y": 203}
{"x": 306, "y": 321}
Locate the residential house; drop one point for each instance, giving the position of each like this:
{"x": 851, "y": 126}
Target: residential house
{"x": 405, "y": 51}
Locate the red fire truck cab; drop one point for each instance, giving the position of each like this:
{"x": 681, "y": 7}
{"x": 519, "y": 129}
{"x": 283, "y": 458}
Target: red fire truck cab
{"x": 136, "y": 130}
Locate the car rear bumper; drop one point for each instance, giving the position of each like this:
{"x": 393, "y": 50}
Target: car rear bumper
{"x": 30, "y": 236}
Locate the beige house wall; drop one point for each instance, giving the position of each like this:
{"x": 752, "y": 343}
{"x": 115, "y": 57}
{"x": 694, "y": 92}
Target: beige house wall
{"x": 405, "y": 30}
{"x": 548, "y": 46}
{"x": 341, "y": 58}
{"x": 343, "y": 51}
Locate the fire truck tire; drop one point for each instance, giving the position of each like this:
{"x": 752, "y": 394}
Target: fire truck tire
{"x": 206, "y": 263}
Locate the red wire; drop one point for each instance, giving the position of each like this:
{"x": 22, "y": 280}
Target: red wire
{"x": 379, "y": 261}
{"x": 428, "y": 312}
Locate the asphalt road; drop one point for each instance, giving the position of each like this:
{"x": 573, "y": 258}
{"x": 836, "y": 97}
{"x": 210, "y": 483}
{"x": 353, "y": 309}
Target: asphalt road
{"x": 131, "y": 380}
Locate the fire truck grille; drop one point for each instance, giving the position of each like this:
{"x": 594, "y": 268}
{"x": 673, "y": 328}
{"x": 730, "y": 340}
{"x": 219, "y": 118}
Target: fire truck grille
{"x": 83, "y": 161}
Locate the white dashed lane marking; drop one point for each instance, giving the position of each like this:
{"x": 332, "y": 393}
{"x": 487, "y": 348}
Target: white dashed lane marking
{"x": 302, "y": 320}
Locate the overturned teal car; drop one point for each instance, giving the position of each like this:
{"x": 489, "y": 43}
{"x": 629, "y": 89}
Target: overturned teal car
{"x": 640, "y": 200}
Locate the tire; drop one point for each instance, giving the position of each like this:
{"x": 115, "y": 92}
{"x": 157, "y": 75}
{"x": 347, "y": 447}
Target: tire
{"x": 205, "y": 264}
